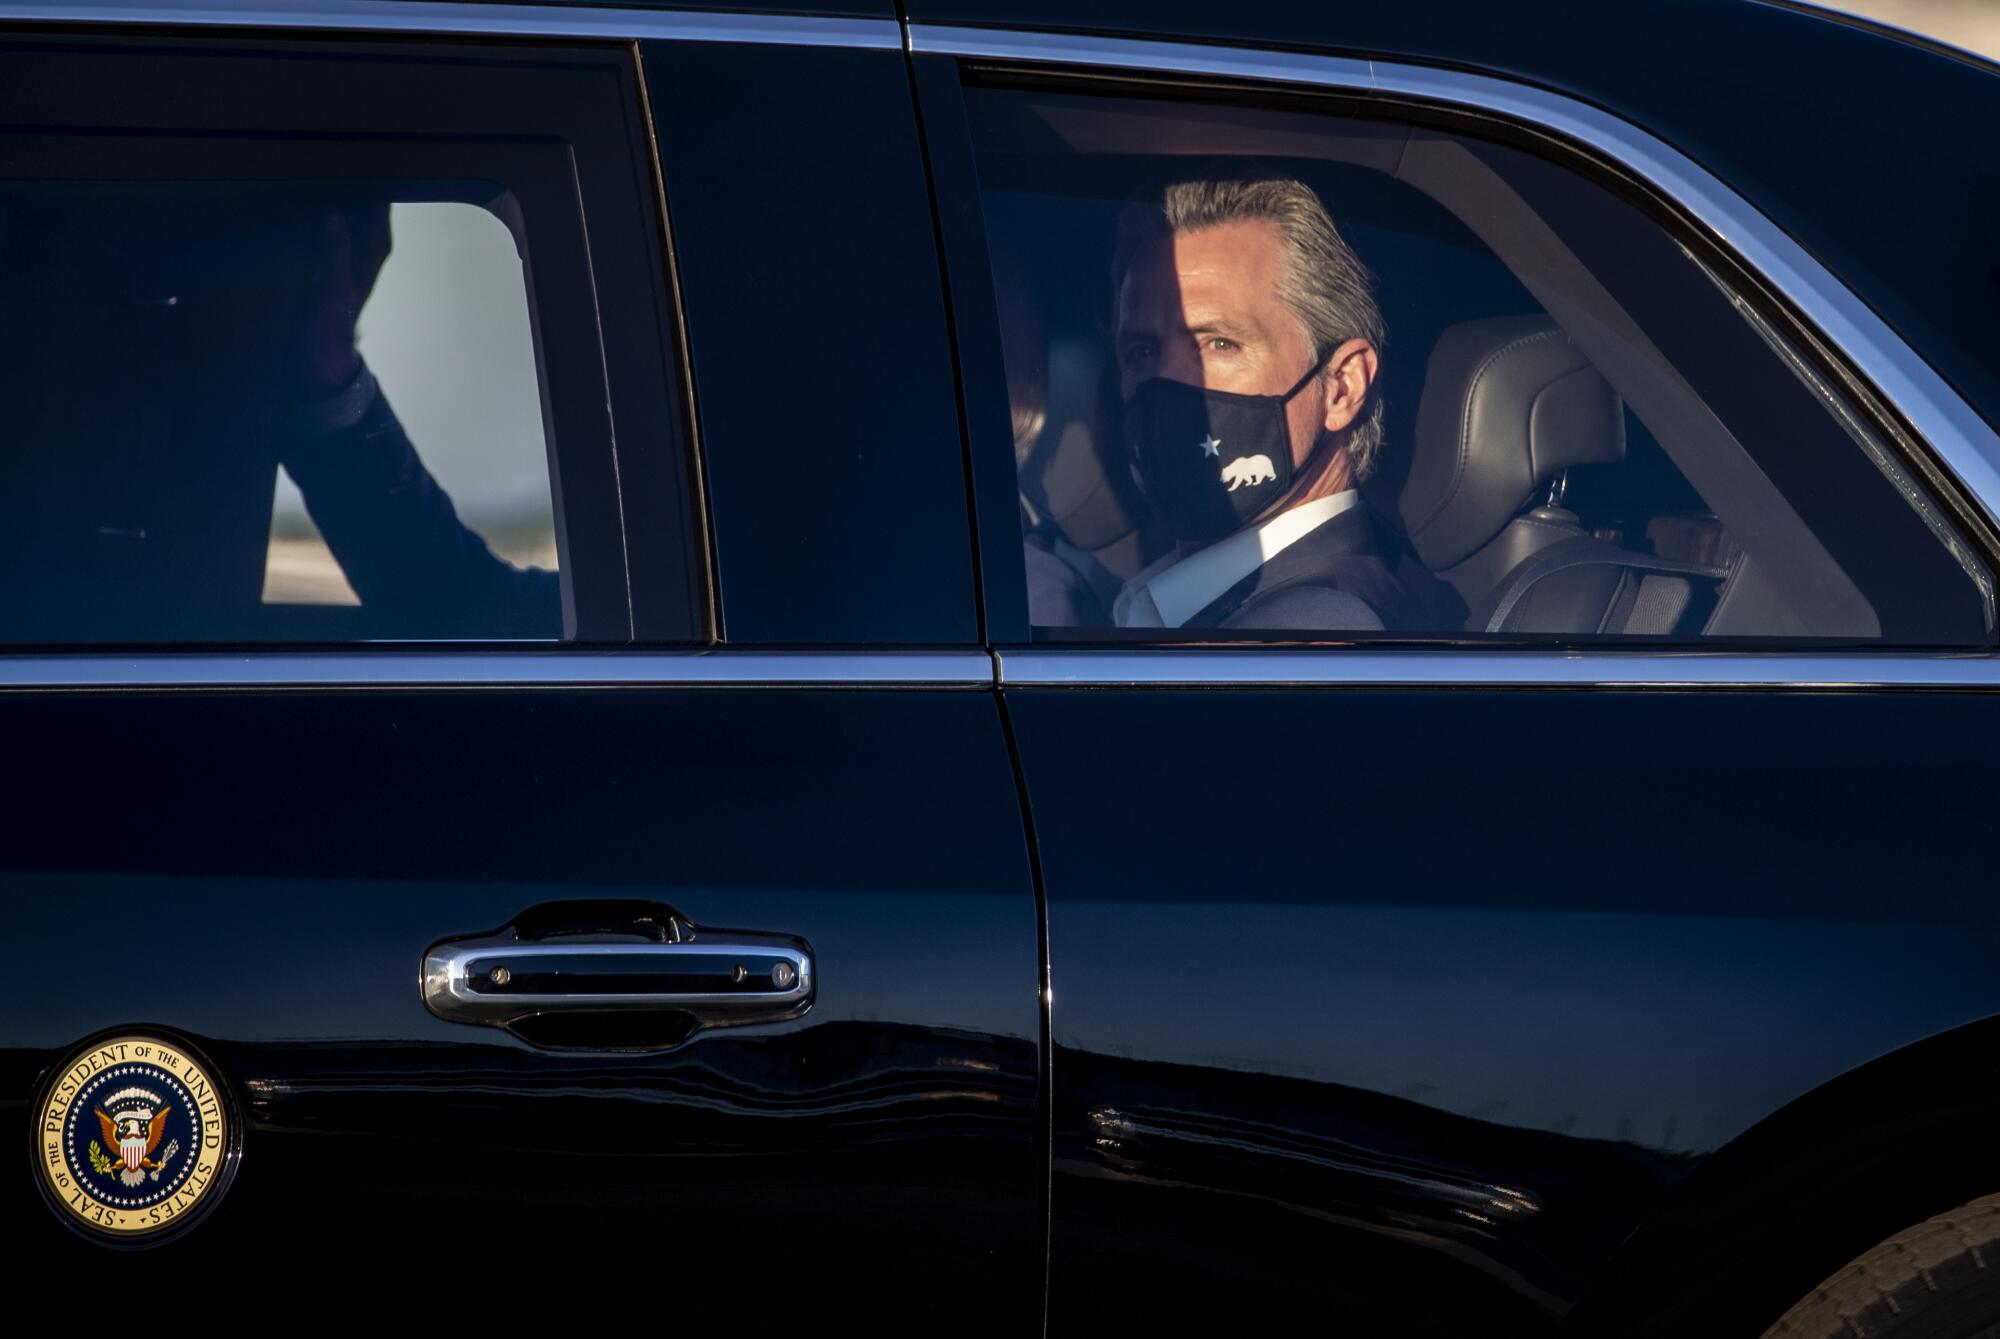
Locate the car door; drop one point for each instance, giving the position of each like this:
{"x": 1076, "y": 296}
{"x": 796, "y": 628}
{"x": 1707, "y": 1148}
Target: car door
{"x": 457, "y": 882}
{"x": 1566, "y": 969}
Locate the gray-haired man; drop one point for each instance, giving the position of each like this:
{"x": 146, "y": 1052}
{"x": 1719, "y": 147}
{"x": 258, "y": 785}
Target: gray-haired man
{"x": 1248, "y": 343}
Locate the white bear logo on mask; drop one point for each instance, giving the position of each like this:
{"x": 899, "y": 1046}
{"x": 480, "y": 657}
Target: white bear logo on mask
{"x": 1249, "y": 471}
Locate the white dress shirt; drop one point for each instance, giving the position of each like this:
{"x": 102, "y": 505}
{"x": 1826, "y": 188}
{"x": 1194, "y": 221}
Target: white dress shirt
{"x": 1173, "y": 590}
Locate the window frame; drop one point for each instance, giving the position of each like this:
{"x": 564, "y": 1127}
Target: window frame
{"x": 616, "y": 406}
{"x": 1948, "y": 450}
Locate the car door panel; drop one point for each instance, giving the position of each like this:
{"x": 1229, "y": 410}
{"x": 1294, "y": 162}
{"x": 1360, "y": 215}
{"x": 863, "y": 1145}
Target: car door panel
{"x": 1424, "y": 1000}
{"x": 1430, "y": 981}
{"x": 252, "y": 853}
{"x": 267, "y": 882}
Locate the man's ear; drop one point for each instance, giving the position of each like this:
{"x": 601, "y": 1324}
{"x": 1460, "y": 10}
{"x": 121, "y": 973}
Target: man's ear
{"x": 1350, "y": 372}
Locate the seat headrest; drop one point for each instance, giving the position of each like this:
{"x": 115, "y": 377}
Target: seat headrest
{"x": 1507, "y": 405}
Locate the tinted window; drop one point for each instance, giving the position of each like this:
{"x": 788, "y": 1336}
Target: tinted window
{"x": 203, "y": 433}
{"x": 448, "y": 338}
{"x": 1294, "y": 376}
{"x": 275, "y": 375}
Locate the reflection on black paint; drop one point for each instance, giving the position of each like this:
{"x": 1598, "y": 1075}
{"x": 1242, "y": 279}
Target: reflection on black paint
{"x": 1574, "y": 953}
{"x": 1394, "y": 1202}
{"x": 288, "y": 857}
{"x": 844, "y": 1144}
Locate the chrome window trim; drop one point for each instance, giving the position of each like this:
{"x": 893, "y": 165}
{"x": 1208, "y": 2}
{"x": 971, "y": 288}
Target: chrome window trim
{"x": 1271, "y": 667}
{"x": 1249, "y": 667}
{"x": 37, "y": 672}
{"x": 473, "y": 669}
{"x": 1964, "y": 443}
{"x": 473, "y": 20}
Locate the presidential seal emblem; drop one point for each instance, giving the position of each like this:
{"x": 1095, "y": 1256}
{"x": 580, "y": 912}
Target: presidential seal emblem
{"x": 135, "y": 1138}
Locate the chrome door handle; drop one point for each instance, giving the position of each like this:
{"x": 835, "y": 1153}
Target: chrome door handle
{"x": 717, "y": 979}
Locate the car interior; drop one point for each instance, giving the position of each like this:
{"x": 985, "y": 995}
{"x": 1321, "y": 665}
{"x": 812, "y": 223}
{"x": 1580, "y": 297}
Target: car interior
{"x": 1545, "y": 456}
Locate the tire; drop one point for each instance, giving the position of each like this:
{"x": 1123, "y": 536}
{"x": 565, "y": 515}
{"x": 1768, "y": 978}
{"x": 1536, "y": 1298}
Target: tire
{"x": 1937, "y": 1280}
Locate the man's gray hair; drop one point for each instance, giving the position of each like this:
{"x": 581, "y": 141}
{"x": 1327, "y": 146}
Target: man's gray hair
{"x": 1325, "y": 284}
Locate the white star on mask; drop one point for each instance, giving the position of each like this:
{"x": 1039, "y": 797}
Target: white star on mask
{"x": 1209, "y": 443}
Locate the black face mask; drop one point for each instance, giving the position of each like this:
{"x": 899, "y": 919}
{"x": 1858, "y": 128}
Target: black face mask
{"x": 1209, "y": 460}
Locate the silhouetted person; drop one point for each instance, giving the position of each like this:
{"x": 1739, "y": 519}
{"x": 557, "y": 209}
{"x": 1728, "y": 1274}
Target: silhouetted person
{"x": 166, "y": 349}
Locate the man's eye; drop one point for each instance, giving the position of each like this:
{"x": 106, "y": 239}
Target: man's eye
{"x": 1221, "y": 345}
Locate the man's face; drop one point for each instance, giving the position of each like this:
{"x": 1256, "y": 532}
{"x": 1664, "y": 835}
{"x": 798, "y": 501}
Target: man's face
{"x": 1203, "y": 308}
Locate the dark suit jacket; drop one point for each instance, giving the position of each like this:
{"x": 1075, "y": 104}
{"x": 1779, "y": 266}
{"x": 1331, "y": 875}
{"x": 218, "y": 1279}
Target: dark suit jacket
{"x": 1314, "y": 583}
{"x": 418, "y": 569}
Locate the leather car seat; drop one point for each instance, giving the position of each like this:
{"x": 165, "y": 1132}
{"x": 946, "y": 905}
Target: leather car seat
{"x": 1076, "y": 478}
{"x": 1508, "y": 406}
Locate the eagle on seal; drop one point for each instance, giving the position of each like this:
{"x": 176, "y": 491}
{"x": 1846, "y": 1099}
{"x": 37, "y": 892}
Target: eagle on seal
{"x": 134, "y": 1135}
